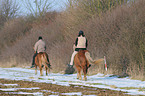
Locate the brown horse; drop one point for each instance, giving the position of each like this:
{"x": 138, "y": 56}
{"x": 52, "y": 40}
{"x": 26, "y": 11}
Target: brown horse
{"x": 42, "y": 60}
{"x": 82, "y": 63}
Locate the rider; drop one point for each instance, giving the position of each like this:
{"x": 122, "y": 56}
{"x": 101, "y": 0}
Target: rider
{"x": 81, "y": 43}
{"x": 39, "y": 46}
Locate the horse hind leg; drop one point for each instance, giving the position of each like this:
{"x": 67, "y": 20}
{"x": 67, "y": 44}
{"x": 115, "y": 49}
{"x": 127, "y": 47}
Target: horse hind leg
{"x": 36, "y": 65}
{"x": 79, "y": 74}
{"x": 46, "y": 69}
{"x": 85, "y": 70}
{"x": 41, "y": 71}
{"x": 80, "y": 77}
{"x": 85, "y": 73}
{"x": 85, "y": 78}
{"x": 35, "y": 70}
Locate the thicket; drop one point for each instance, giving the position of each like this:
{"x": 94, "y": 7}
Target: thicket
{"x": 117, "y": 32}
{"x": 114, "y": 28}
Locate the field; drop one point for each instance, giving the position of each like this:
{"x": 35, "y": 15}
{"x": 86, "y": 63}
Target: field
{"x": 44, "y": 89}
{"x": 23, "y": 81}
{"x": 113, "y": 28}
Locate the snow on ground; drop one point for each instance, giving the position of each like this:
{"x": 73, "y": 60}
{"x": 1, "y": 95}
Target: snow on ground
{"x": 15, "y": 89}
{"x": 133, "y": 87}
{"x": 26, "y": 93}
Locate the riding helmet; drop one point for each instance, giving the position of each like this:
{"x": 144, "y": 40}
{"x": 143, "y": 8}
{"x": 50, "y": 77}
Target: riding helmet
{"x": 39, "y": 37}
{"x": 81, "y": 33}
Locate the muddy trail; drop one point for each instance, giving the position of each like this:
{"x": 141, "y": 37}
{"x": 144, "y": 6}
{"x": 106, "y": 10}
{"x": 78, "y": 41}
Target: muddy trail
{"x": 29, "y": 88}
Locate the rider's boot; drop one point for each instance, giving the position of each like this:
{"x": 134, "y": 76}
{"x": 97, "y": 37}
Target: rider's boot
{"x": 69, "y": 65}
{"x": 32, "y": 66}
{"x": 89, "y": 65}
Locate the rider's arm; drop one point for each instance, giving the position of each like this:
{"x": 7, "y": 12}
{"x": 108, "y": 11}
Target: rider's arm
{"x": 76, "y": 42}
{"x": 34, "y": 50}
{"x": 36, "y": 47}
{"x": 86, "y": 43}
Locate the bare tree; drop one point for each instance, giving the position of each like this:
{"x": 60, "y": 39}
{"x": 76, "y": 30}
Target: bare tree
{"x": 37, "y": 7}
{"x": 9, "y": 9}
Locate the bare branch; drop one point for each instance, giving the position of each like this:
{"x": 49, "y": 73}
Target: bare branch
{"x": 37, "y": 7}
{"x": 9, "y": 9}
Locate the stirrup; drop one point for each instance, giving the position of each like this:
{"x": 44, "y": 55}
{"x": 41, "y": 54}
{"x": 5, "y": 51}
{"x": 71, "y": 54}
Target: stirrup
{"x": 49, "y": 65}
{"x": 69, "y": 65}
{"x": 89, "y": 65}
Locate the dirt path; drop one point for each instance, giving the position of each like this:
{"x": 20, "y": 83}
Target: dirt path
{"x": 52, "y": 89}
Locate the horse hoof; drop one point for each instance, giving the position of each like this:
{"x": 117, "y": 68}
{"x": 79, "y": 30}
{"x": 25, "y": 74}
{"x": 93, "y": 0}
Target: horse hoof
{"x": 85, "y": 79}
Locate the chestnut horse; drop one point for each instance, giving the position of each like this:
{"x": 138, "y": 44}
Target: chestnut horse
{"x": 82, "y": 63}
{"x": 42, "y": 60}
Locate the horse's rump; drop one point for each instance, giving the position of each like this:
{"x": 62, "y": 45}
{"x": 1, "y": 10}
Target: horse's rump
{"x": 42, "y": 58}
{"x": 81, "y": 63}
{"x": 82, "y": 58}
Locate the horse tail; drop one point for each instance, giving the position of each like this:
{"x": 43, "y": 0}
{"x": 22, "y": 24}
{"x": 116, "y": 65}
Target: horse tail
{"x": 98, "y": 62}
{"x": 45, "y": 59}
{"x": 91, "y": 61}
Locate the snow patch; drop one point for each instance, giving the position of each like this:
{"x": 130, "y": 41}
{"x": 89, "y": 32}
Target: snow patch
{"x": 96, "y": 81}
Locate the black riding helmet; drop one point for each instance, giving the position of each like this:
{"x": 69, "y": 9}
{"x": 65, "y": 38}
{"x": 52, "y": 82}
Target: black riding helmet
{"x": 81, "y": 33}
{"x": 39, "y": 37}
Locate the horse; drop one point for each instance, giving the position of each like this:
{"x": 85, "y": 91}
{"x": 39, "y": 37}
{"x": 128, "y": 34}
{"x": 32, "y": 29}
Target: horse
{"x": 81, "y": 62}
{"x": 41, "y": 60}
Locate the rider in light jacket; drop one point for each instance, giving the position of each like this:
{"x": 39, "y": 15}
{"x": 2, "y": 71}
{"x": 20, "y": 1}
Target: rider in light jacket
{"x": 39, "y": 46}
{"x": 81, "y": 43}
